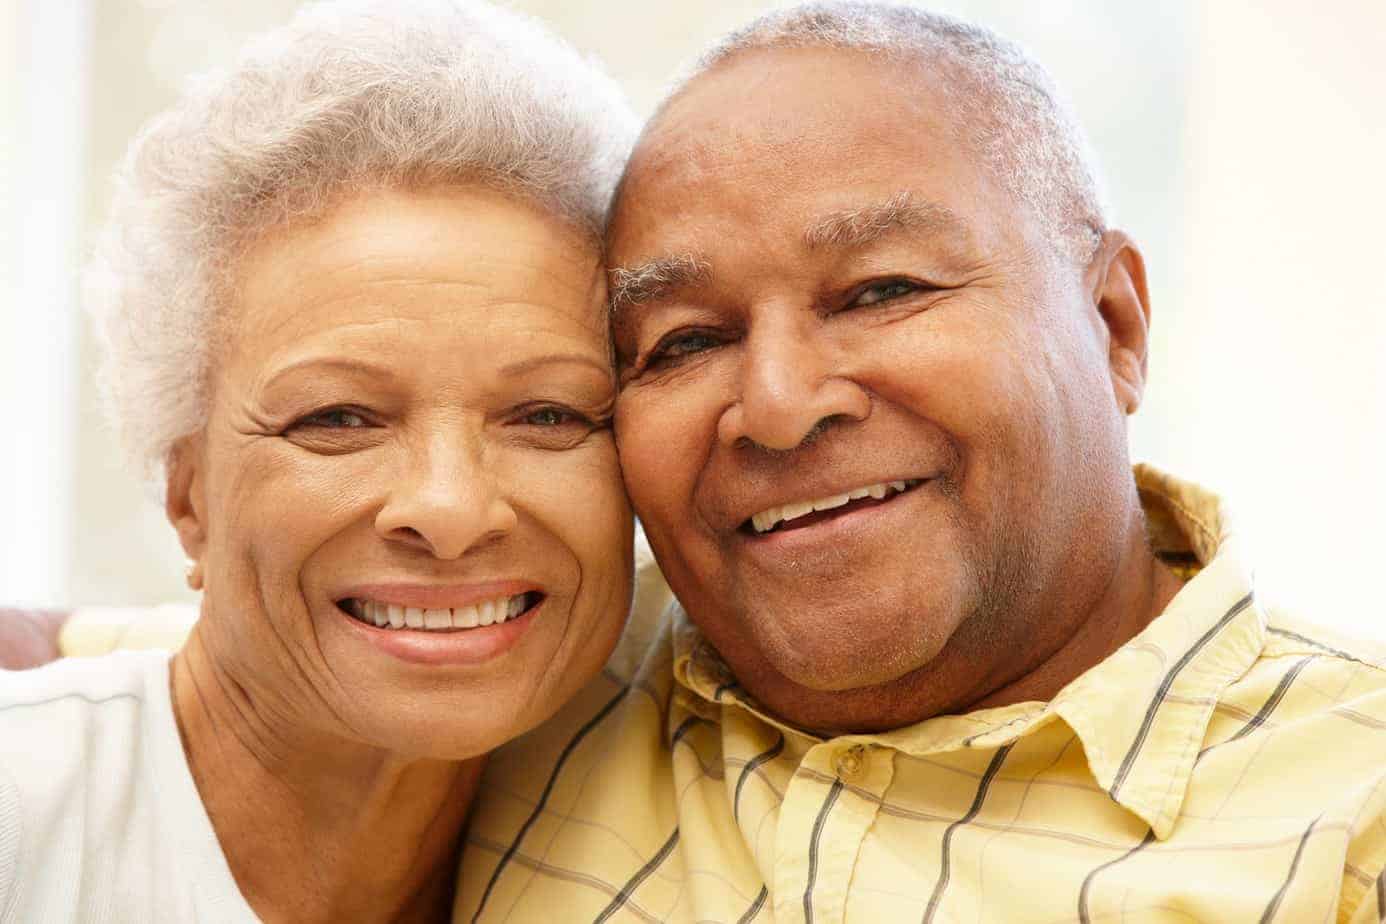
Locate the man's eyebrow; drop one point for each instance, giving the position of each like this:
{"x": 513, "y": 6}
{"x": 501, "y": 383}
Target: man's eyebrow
{"x": 654, "y": 279}
{"x": 854, "y": 228}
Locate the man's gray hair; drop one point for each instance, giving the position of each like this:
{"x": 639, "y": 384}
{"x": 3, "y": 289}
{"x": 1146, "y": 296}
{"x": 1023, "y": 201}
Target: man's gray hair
{"x": 348, "y": 96}
{"x": 1007, "y": 107}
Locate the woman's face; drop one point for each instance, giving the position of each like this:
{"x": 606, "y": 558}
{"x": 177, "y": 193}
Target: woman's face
{"x": 408, "y": 426}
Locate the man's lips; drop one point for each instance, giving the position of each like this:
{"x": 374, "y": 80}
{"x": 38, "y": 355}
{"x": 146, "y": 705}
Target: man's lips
{"x": 802, "y": 513}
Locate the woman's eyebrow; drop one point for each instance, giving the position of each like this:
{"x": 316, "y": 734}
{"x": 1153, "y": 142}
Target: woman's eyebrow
{"x": 353, "y": 365}
{"x": 530, "y": 363}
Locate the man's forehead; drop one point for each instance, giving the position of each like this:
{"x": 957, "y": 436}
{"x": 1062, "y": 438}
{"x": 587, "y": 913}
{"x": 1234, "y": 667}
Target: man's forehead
{"x": 770, "y": 104}
{"x": 767, "y": 118}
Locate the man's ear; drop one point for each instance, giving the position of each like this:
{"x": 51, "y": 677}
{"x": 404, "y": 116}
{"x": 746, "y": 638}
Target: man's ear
{"x": 185, "y": 504}
{"x": 1117, "y": 278}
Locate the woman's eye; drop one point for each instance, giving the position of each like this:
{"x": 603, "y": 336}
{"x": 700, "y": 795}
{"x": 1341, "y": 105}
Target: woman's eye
{"x": 549, "y": 417}
{"x": 337, "y": 418}
{"x": 883, "y": 292}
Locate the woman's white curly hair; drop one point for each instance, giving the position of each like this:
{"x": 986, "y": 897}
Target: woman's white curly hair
{"x": 347, "y": 96}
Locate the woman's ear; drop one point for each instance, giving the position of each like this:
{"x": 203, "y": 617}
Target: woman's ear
{"x": 1117, "y": 276}
{"x": 185, "y": 505}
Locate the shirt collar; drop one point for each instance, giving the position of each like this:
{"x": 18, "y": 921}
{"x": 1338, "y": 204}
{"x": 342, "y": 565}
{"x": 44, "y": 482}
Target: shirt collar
{"x": 1141, "y": 714}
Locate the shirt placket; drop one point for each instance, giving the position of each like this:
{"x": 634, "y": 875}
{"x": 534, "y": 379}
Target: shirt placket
{"x": 828, "y": 809}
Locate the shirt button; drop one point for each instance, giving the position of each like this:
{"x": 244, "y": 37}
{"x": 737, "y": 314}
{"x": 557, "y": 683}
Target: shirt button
{"x": 850, "y": 762}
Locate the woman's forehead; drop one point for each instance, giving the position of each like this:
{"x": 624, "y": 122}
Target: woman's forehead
{"x": 385, "y": 261}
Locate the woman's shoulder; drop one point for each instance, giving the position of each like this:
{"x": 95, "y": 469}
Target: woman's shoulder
{"x": 78, "y": 741}
{"x": 69, "y": 723}
{"x": 82, "y": 685}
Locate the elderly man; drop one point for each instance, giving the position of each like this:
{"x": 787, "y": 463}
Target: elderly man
{"x": 939, "y": 655}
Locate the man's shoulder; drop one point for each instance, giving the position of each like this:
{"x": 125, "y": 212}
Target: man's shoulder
{"x": 598, "y": 768}
{"x": 1288, "y": 635}
{"x": 615, "y": 712}
{"x": 1312, "y": 674}
{"x": 1316, "y": 700}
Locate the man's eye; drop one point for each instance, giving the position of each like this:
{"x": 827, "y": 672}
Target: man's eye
{"x": 678, "y": 345}
{"x": 337, "y": 418}
{"x": 882, "y": 292}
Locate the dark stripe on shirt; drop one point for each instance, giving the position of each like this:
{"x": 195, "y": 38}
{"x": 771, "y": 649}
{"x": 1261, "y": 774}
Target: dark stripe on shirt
{"x": 1083, "y": 892}
{"x": 756, "y": 905}
{"x": 544, "y": 796}
{"x": 1274, "y": 905}
{"x": 640, "y": 876}
{"x": 684, "y": 728}
{"x": 1276, "y": 696}
{"x": 752, "y": 765}
{"x": 1164, "y": 688}
{"x": 1306, "y": 640}
{"x": 818, "y": 823}
{"x": 981, "y": 796}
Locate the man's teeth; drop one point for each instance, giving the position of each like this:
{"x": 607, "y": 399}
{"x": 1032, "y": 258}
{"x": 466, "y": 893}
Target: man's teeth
{"x": 767, "y": 520}
{"x": 389, "y": 616}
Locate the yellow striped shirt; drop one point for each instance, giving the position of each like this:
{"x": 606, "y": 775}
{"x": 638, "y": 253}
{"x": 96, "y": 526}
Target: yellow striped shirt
{"x": 1227, "y": 764}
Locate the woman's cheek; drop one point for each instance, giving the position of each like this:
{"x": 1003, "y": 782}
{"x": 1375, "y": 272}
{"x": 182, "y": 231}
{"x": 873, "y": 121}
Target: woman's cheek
{"x": 578, "y": 498}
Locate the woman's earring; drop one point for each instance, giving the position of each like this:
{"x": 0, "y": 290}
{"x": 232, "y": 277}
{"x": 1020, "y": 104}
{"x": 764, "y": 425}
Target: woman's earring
{"x": 192, "y": 573}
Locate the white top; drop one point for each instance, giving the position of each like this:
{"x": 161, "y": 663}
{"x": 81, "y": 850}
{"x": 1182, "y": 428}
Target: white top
{"x": 99, "y": 817}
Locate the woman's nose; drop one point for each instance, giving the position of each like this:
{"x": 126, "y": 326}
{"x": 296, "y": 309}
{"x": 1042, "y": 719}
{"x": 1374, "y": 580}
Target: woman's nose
{"x": 447, "y": 502}
{"x": 789, "y": 385}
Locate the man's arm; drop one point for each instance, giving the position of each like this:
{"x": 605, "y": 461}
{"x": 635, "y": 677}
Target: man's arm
{"x": 29, "y": 638}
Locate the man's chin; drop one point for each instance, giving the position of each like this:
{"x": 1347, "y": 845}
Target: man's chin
{"x": 843, "y": 661}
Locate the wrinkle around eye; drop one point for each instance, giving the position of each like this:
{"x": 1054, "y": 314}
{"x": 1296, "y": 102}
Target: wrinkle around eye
{"x": 332, "y": 441}
{"x": 675, "y": 349}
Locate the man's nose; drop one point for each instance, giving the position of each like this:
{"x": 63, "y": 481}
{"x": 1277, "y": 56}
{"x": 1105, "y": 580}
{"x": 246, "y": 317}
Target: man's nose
{"x": 791, "y": 381}
{"x": 447, "y": 502}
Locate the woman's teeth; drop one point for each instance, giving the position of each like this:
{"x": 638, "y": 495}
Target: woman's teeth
{"x": 767, "y": 520}
{"x": 389, "y": 616}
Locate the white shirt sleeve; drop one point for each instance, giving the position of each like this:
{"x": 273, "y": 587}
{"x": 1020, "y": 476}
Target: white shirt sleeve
{"x": 10, "y": 829}
{"x": 100, "y": 818}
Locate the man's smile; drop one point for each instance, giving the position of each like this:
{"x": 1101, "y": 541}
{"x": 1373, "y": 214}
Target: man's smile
{"x": 799, "y": 514}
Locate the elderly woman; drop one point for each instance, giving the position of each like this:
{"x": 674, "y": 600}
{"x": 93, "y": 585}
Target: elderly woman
{"x": 353, "y": 297}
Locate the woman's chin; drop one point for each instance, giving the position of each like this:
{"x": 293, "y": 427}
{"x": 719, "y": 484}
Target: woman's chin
{"x": 451, "y": 694}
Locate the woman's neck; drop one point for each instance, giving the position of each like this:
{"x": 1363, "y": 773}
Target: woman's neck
{"x": 316, "y": 827}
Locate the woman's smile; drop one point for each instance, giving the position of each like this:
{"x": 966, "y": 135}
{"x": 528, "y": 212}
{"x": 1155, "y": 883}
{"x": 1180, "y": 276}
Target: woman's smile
{"x": 443, "y": 625}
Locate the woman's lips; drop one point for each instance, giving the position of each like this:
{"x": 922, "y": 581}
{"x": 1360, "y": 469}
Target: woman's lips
{"x": 451, "y": 645}
{"x": 436, "y": 596}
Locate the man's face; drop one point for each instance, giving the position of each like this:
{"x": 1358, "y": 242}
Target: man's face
{"x": 832, "y": 297}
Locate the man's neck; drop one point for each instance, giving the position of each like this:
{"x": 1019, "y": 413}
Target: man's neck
{"x": 1141, "y": 591}
{"x": 318, "y": 828}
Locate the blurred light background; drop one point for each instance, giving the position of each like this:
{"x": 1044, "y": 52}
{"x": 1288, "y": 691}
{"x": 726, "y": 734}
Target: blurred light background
{"x": 1243, "y": 142}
